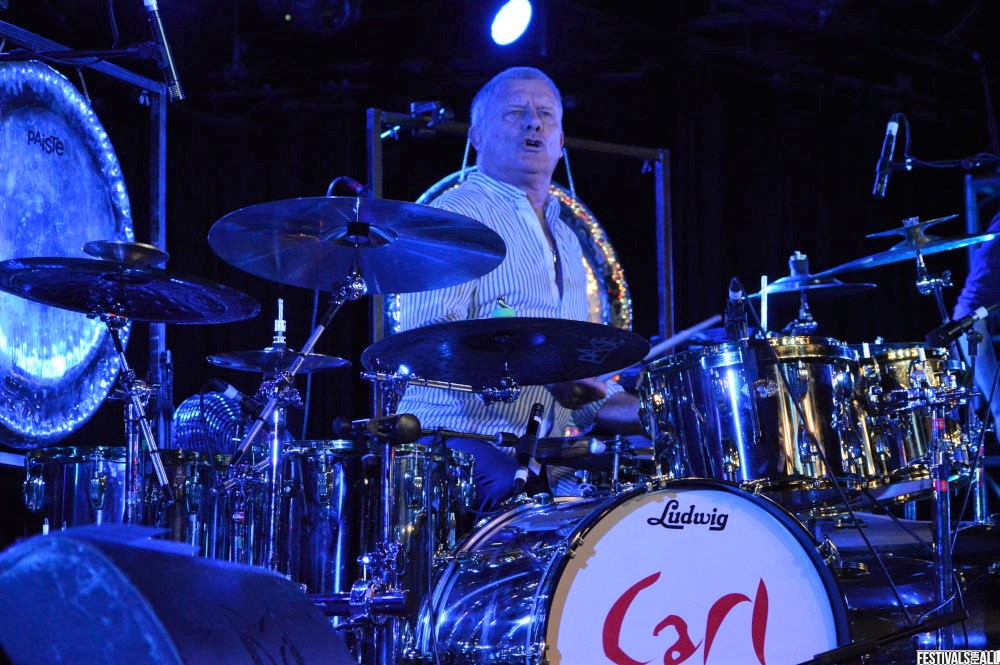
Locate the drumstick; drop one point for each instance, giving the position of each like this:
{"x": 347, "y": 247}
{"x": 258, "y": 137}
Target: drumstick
{"x": 671, "y": 341}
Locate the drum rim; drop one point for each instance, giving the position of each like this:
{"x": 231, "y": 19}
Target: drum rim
{"x": 538, "y": 631}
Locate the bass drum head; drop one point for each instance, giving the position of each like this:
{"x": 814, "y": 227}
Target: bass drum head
{"x": 694, "y": 569}
{"x": 608, "y": 296}
{"x": 61, "y": 187}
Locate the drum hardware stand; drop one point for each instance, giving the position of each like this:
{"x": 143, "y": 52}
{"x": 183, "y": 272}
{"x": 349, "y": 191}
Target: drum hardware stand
{"x": 977, "y": 432}
{"x": 136, "y": 392}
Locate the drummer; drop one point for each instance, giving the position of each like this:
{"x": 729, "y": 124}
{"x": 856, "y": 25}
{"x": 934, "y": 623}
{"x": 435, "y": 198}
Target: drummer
{"x": 516, "y": 130}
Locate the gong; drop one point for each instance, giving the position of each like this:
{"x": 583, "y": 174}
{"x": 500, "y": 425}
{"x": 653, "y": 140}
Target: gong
{"x": 61, "y": 187}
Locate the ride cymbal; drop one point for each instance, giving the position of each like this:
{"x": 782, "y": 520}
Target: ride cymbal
{"x": 531, "y": 351}
{"x": 137, "y": 293}
{"x": 316, "y": 243}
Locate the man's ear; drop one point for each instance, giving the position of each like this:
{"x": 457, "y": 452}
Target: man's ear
{"x": 474, "y": 137}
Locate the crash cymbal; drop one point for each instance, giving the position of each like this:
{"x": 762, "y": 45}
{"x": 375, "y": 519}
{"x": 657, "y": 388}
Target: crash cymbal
{"x": 274, "y": 359}
{"x": 916, "y": 242}
{"x": 531, "y": 351}
{"x": 138, "y": 293}
{"x": 789, "y": 288}
{"x": 132, "y": 253}
{"x": 313, "y": 243}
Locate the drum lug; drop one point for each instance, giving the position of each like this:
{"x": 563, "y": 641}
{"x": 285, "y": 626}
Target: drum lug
{"x": 33, "y": 489}
{"x": 99, "y": 490}
{"x": 828, "y": 551}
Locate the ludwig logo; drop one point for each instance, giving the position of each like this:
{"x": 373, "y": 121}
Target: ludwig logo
{"x": 48, "y": 144}
{"x": 673, "y": 518}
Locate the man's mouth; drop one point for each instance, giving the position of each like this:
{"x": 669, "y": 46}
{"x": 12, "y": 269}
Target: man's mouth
{"x": 533, "y": 143}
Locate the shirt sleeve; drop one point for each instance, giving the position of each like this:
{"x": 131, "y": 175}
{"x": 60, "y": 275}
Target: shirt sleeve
{"x": 452, "y": 303}
{"x": 584, "y": 416}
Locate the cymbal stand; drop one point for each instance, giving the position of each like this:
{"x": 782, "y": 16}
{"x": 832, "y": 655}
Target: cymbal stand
{"x": 941, "y": 470}
{"x": 804, "y": 324}
{"x": 135, "y": 392}
{"x": 941, "y": 459}
{"x": 353, "y": 288}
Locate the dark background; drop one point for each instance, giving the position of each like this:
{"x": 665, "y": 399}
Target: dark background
{"x": 773, "y": 114}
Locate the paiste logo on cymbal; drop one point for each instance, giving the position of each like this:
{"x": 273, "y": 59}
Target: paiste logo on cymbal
{"x": 48, "y": 144}
{"x": 598, "y": 349}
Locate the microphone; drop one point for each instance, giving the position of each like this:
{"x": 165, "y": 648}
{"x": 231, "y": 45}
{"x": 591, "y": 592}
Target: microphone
{"x": 403, "y": 427}
{"x": 945, "y": 334}
{"x": 735, "y": 320}
{"x": 165, "y": 59}
{"x": 248, "y": 405}
{"x": 883, "y": 169}
{"x": 528, "y": 441}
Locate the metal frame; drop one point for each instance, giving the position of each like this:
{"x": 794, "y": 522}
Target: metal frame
{"x": 153, "y": 94}
{"x": 379, "y": 122}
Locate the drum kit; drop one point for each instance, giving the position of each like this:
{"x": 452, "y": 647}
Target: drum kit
{"x": 763, "y": 452}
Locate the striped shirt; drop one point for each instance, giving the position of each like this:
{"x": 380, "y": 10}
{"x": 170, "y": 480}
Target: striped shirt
{"x": 527, "y": 281}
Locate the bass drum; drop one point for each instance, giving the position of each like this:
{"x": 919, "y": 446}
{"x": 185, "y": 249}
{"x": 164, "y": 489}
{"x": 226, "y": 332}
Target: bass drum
{"x": 62, "y": 187}
{"x": 688, "y": 568}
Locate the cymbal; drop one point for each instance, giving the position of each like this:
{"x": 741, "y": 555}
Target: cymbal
{"x": 916, "y": 242}
{"x": 812, "y": 286}
{"x": 138, "y": 293}
{"x": 132, "y": 253}
{"x": 531, "y": 351}
{"x": 399, "y": 247}
{"x": 273, "y": 359}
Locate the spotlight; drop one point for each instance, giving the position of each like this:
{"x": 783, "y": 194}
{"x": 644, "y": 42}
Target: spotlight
{"x": 510, "y": 21}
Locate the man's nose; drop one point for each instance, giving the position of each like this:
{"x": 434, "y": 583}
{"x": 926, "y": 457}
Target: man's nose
{"x": 532, "y": 120}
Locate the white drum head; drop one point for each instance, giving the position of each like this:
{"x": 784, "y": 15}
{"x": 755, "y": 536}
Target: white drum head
{"x": 697, "y": 573}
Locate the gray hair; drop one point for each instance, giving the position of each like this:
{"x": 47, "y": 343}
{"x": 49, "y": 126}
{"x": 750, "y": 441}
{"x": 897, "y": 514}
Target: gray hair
{"x": 483, "y": 97}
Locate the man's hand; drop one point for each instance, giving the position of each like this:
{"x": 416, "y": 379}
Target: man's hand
{"x": 575, "y": 394}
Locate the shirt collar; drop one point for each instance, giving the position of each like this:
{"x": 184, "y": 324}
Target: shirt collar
{"x": 505, "y": 189}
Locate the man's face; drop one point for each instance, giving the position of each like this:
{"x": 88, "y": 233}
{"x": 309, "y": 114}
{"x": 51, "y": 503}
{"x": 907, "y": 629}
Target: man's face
{"x": 521, "y": 132}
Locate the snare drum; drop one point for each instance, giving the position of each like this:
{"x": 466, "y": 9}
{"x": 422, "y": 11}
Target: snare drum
{"x": 690, "y": 569}
{"x": 74, "y": 486}
{"x": 775, "y": 416}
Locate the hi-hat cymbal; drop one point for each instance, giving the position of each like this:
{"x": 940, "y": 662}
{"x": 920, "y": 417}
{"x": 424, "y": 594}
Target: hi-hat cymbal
{"x": 137, "y": 293}
{"x": 916, "y": 243}
{"x": 313, "y": 243}
{"x": 787, "y": 288}
{"x": 275, "y": 359}
{"x": 531, "y": 351}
